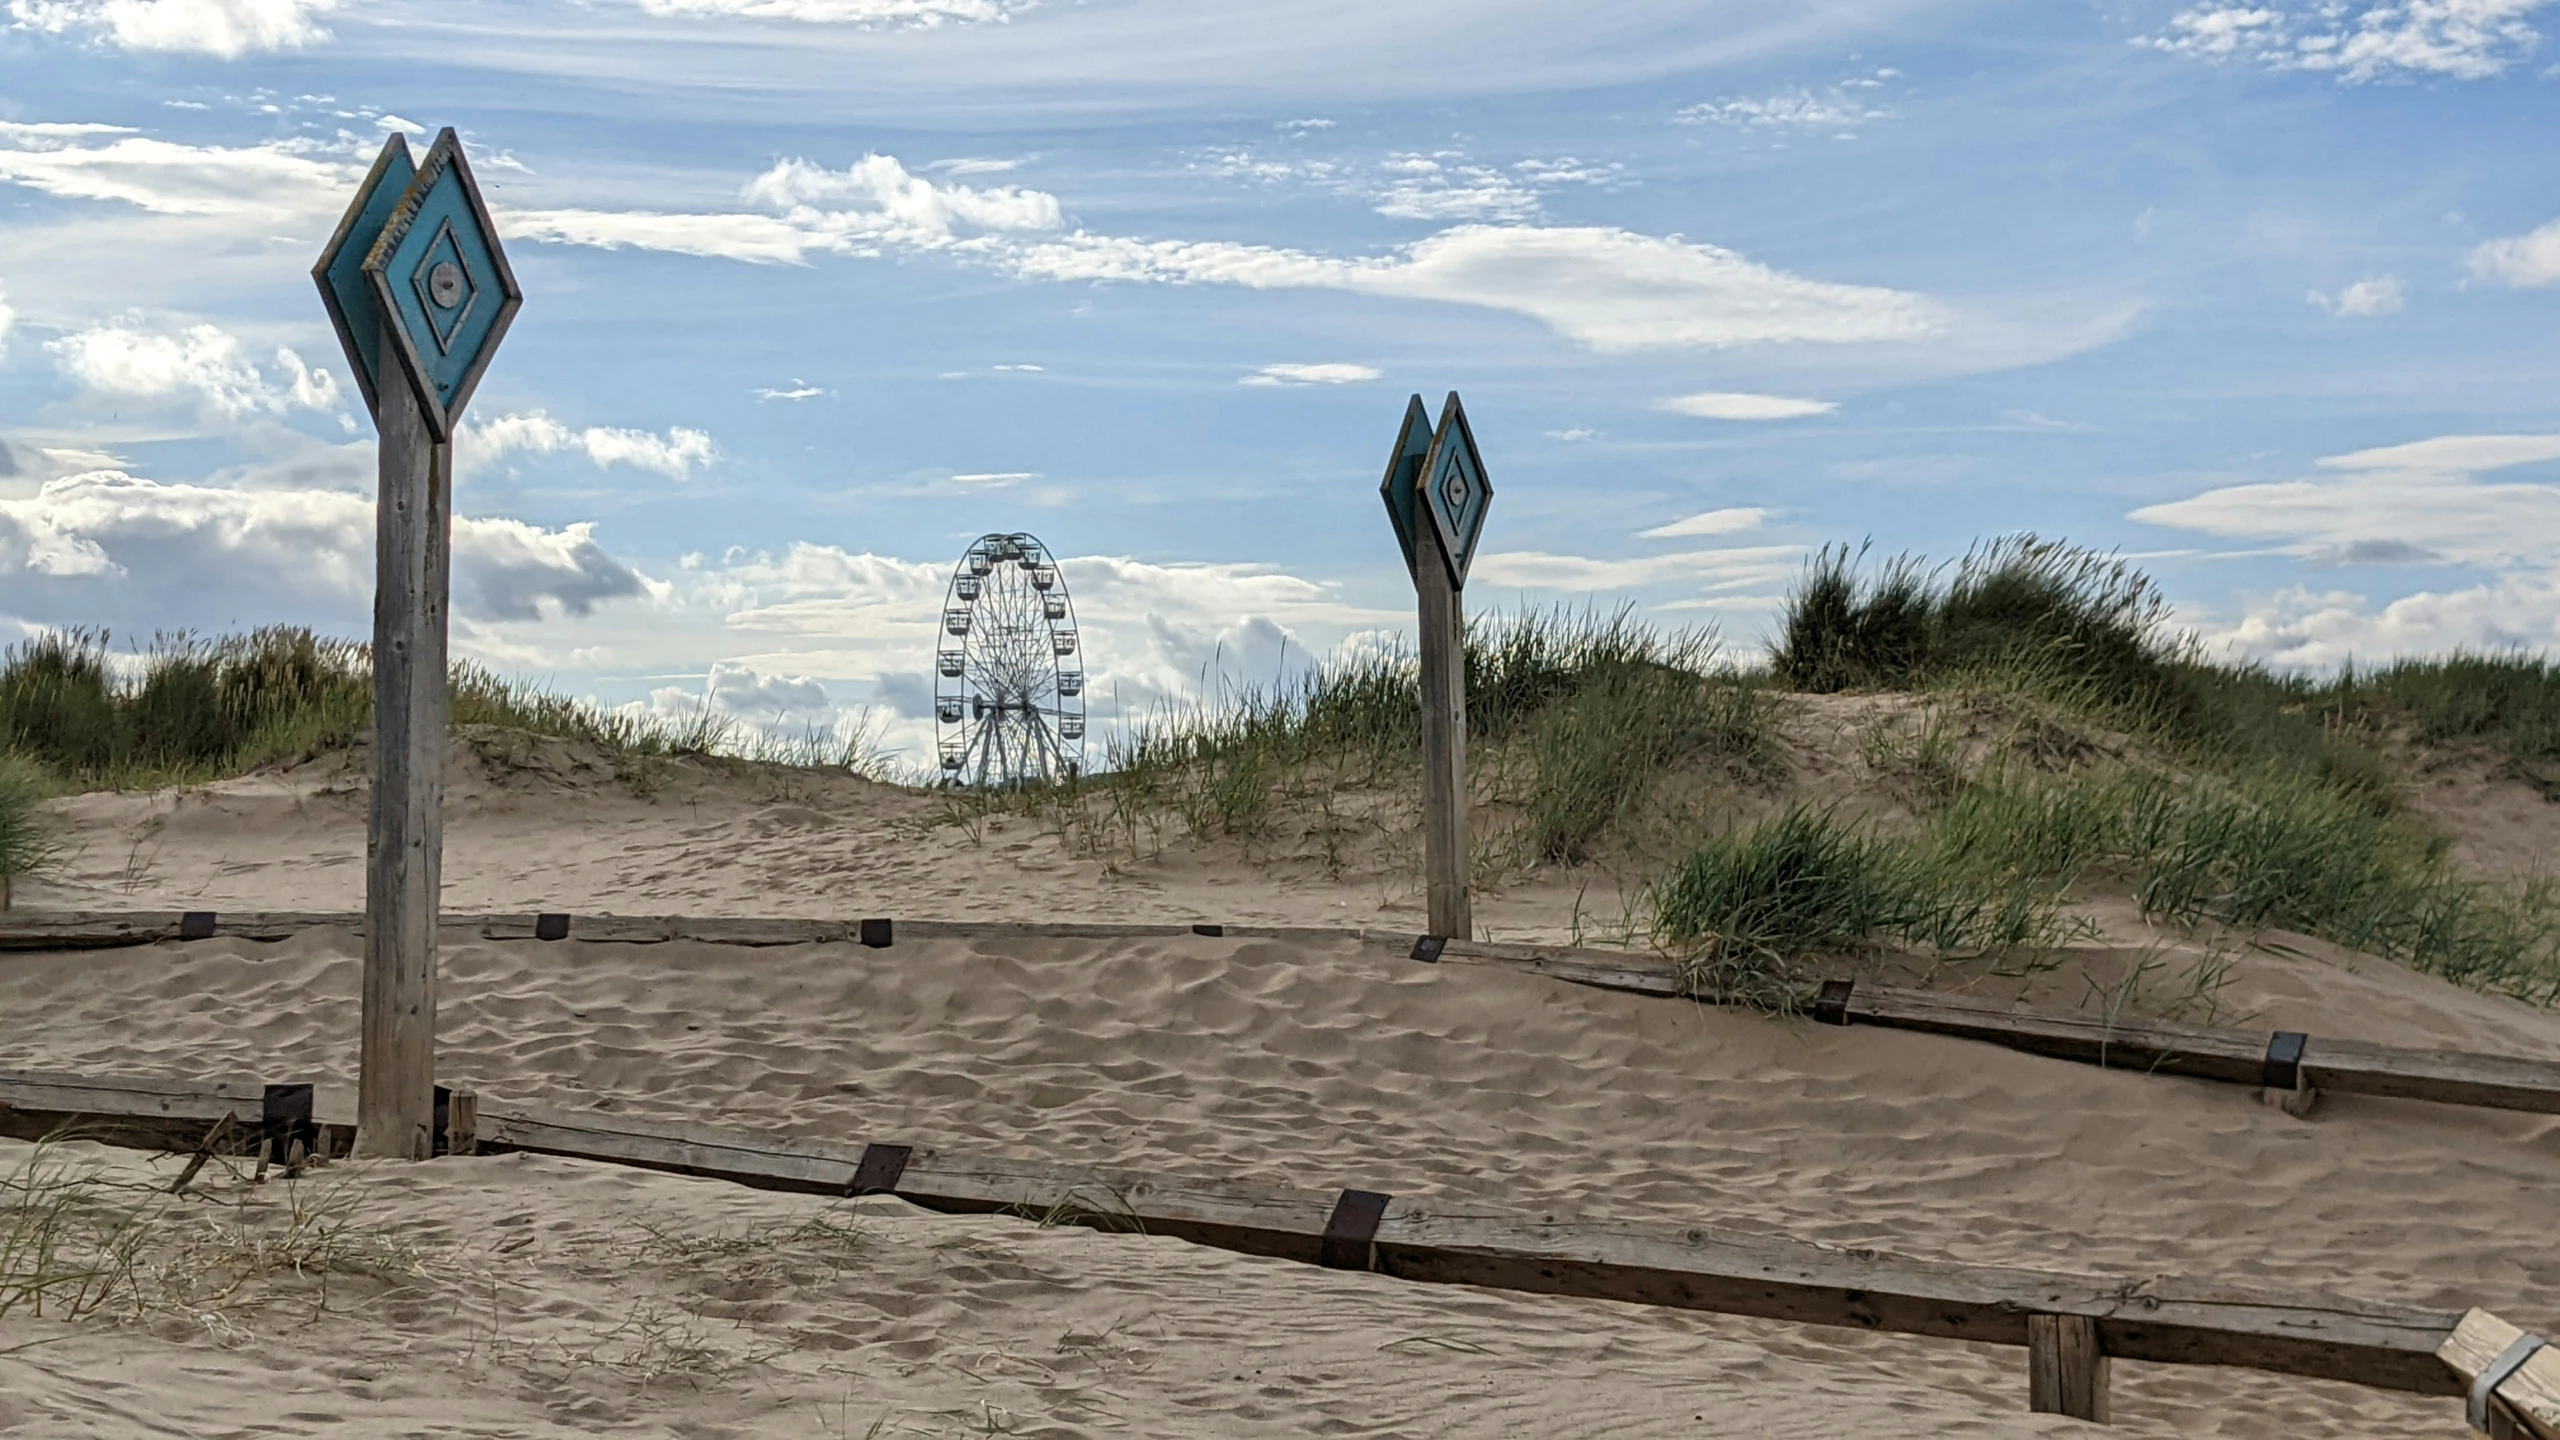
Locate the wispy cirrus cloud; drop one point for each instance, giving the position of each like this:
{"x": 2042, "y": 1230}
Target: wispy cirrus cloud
{"x": 1337, "y": 373}
{"x": 922, "y": 14}
{"x": 2362, "y": 299}
{"x": 275, "y": 182}
{"x": 2380, "y": 39}
{"x": 227, "y": 29}
{"x": 1730, "y": 405}
{"x": 1836, "y": 109}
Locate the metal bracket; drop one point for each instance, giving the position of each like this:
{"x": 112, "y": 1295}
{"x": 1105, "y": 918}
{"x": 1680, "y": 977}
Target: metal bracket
{"x": 1831, "y": 1007}
{"x": 1351, "y": 1228}
{"x": 285, "y": 1116}
{"x": 880, "y": 1169}
{"x": 2509, "y": 1361}
{"x": 878, "y": 934}
{"x": 550, "y": 927}
{"x": 1427, "y": 948}
{"x": 437, "y": 1143}
{"x": 2284, "y": 1060}
{"x": 196, "y": 925}
{"x": 1212, "y": 930}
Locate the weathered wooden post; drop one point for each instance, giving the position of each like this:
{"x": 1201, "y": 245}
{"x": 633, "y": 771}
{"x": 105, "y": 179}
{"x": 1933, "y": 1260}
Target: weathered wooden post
{"x": 420, "y": 294}
{"x": 1437, "y": 494}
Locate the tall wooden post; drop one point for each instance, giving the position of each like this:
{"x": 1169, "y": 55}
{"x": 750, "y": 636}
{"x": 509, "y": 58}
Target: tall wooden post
{"x": 1441, "y": 621}
{"x": 420, "y": 293}
{"x": 2066, "y": 1371}
{"x": 404, "y": 840}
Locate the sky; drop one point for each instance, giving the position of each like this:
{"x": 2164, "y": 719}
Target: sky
{"x": 818, "y": 291}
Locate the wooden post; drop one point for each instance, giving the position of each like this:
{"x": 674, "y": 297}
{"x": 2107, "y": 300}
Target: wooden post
{"x": 1444, "y": 739}
{"x": 2066, "y": 1372}
{"x": 404, "y": 842}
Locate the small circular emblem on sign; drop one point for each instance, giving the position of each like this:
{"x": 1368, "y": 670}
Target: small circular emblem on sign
{"x": 444, "y": 284}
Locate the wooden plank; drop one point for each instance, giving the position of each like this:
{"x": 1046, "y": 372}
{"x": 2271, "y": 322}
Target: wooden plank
{"x": 2528, "y": 1404}
{"x": 2354, "y": 1067}
{"x": 2238, "y": 1056}
{"x": 1691, "y": 1267}
{"x": 144, "y": 1113}
{"x": 1442, "y": 627}
{"x": 404, "y": 837}
{"x": 2066, "y": 1371}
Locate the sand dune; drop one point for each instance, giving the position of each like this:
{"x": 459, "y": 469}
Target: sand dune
{"x": 1310, "y": 1065}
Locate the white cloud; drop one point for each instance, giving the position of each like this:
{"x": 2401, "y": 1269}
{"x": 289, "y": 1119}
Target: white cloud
{"x": 677, "y": 453}
{"x": 1691, "y": 570}
{"x": 1727, "y": 405}
{"x": 2464, "y": 39}
{"x": 1608, "y": 289}
{"x": 200, "y": 363}
{"x": 224, "y": 28}
{"x": 107, "y": 548}
{"x": 1419, "y": 185}
{"x": 2416, "y": 504}
{"x": 1325, "y": 374}
{"x": 1712, "y": 522}
{"x": 1575, "y": 435}
{"x": 2526, "y": 261}
{"x": 800, "y": 390}
{"x": 924, "y": 14}
{"x": 2373, "y": 295}
{"x": 995, "y": 478}
{"x": 8, "y": 321}
{"x": 1841, "y": 110}
{"x": 1024, "y": 369}
{"x": 281, "y": 181}
{"x": 750, "y": 694}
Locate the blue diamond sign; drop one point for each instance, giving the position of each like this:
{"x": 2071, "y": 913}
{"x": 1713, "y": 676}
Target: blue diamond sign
{"x": 438, "y": 275}
{"x": 1453, "y": 487}
{"x": 1404, "y": 468}
{"x": 340, "y": 272}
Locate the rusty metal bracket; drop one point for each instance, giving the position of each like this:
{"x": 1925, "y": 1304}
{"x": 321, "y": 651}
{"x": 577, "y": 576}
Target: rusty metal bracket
{"x": 549, "y": 926}
{"x": 878, "y": 934}
{"x": 196, "y": 925}
{"x": 1427, "y": 948}
{"x": 880, "y": 1169}
{"x": 1831, "y": 1007}
{"x": 1349, "y": 1231}
{"x": 1208, "y": 929}
{"x": 2284, "y": 1060}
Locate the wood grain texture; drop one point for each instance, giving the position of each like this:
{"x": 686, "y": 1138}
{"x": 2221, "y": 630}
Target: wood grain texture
{"x": 2066, "y": 1371}
{"x": 1444, "y": 739}
{"x": 404, "y": 838}
{"x": 2528, "y": 1405}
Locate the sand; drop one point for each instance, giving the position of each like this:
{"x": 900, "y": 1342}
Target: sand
{"x": 1311, "y": 1065}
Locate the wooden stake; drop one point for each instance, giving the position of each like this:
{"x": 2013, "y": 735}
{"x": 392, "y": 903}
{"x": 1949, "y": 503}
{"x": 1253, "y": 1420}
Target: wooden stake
{"x": 2066, "y": 1372}
{"x": 404, "y": 843}
{"x": 1444, "y": 737}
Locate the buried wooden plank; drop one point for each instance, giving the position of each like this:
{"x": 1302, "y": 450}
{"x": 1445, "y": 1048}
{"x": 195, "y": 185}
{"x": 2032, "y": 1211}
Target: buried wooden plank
{"x": 1689, "y": 1267}
{"x": 173, "y": 1114}
{"x": 2354, "y": 1067}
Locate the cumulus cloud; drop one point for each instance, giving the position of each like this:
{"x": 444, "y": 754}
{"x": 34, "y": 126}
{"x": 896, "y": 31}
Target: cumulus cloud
{"x": 1326, "y": 374}
{"x": 201, "y": 363}
{"x": 676, "y": 453}
{"x": 1728, "y": 405}
{"x": 2422, "y": 503}
{"x": 276, "y": 182}
{"x": 2380, "y": 39}
{"x": 922, "y": 14}
{"x": 107, "y": 547}
{"x": 2373, "y": 295}
{"x": 224, "y": 28}
{"x": 2525, "y": 261}
{"x": 1712, "y": 522}
{"x": 1605, "y": 288}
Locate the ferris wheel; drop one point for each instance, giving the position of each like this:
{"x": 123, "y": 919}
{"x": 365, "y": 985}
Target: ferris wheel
{"x": 1008, "y": 690}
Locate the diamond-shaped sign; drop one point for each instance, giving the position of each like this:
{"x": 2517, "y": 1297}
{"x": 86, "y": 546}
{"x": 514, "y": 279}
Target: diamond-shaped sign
{"x": 436, "y": 271}
{"x": 1454, "y": 488}
{"x": 340, "y": 273}
{"x": 1404, "y": 467}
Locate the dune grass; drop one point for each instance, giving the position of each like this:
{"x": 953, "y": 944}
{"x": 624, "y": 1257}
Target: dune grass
{"x": 202, "y": 709}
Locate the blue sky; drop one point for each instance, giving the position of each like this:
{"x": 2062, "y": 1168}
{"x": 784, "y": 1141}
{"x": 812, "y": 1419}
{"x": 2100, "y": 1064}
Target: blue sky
{"x": 818, "y": 290}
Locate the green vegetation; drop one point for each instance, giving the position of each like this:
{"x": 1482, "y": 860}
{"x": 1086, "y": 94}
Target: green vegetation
{"x": 199, "y": 710}
{"x": 27, "y": 842}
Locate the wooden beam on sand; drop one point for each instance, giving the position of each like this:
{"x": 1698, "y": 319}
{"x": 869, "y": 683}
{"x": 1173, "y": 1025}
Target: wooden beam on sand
{"x": 2243, "y": 1057}
{"x": 2071, "y": 1324}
